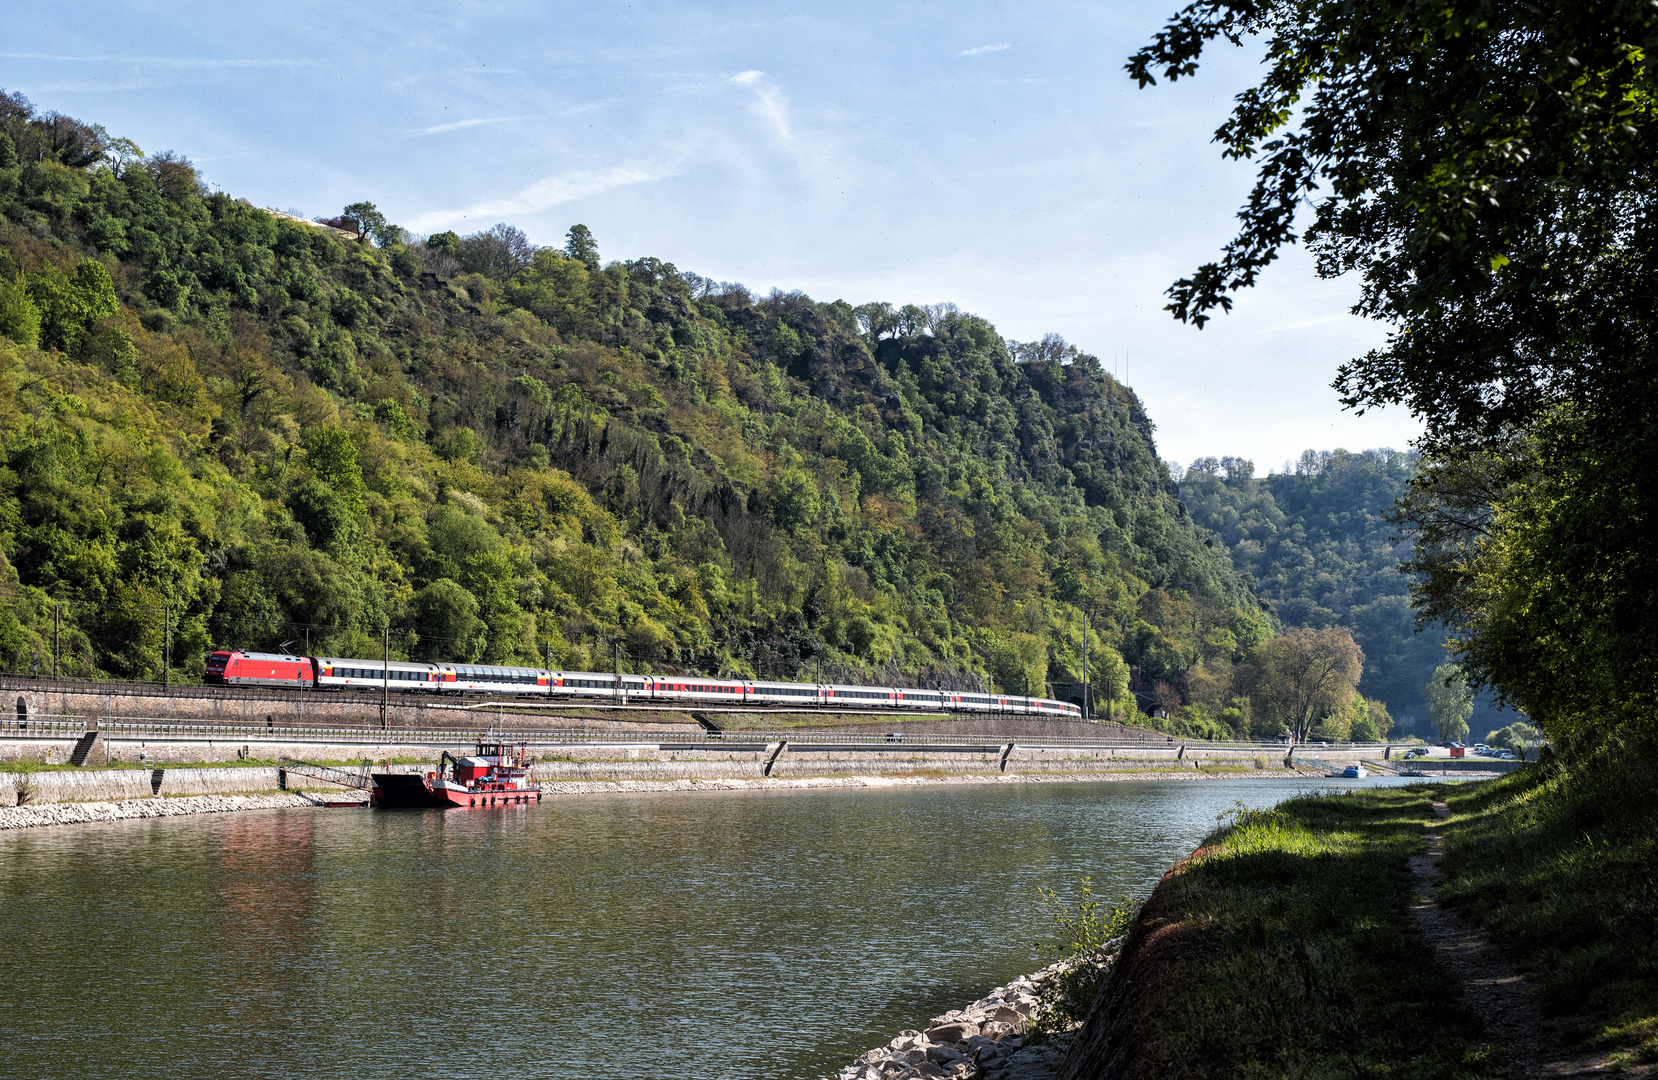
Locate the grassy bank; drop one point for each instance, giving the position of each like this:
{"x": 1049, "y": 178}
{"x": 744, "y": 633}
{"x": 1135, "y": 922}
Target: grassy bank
{"x": 1284, "y": 947}
{"x": 1559, "y": 863}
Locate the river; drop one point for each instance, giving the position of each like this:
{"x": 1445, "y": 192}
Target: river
{"x": 742, "y": 934}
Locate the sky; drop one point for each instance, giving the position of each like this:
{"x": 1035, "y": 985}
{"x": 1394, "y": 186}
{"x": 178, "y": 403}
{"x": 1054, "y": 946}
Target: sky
{"x": 990, "y": 155}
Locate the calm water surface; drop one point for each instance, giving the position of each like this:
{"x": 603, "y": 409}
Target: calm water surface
{"x": 744, "y": 934}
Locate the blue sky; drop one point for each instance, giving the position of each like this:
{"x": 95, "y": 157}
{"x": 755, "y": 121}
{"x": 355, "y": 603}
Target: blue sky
{"x": 990, "y": 155}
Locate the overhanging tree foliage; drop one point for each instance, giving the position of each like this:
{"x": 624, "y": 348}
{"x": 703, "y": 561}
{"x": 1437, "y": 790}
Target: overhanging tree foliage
{"x": 1488, "y": 170}
{"x": 1486, "y": 167}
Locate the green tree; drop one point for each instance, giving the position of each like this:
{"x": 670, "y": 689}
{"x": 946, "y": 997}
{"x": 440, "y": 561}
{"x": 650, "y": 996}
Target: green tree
{"x": 69, "y": 302}
{"x": 1380, "y": 718}
{"x": 1108, "y": 675}
{"x": 447, "y": 243}
{"x": 328, "y": 517}
{"x": 1449, "y": 702}
{"x": 1309, "y": 675}
{"x": 19, "y": 317}
{"x": 1498, "y": 238}
{"x": 1019, "y": 665}
{"x": 580, "y": 246}
{"x": 1362, "y": 726}
{"x": 332, "y": 456}
{"x": 368, "y": 222}
{"x": 1518, "y": 736}
{"x": 794, "y": 499}
{"x": 446, "y": 622}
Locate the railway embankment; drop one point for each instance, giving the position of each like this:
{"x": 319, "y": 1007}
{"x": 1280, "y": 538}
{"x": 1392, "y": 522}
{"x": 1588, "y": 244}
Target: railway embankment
{"x": 93, "y": 703}
{"x": 112, "y": 703}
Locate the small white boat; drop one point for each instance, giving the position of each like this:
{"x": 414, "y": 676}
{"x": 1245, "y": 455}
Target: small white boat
{"x": 1355, "y": 771}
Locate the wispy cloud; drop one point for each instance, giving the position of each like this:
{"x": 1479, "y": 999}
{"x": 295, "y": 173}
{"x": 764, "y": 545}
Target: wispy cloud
{"x": 980, "y": 50}
{"x": 168, "y": 61}
{"x": 771, "y": 103}
{"x": 548, "y": 193}
{"x": 437, "y": 129}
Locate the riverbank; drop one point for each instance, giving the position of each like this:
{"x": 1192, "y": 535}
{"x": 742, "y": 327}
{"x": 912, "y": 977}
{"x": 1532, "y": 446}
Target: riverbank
{"x": 1327, "y": 936}
{"x": 984, "y": 1039}
{"x": 896, "y": 779}
{"x": 1283, "y": 946}
{"x": 28, "y": 817}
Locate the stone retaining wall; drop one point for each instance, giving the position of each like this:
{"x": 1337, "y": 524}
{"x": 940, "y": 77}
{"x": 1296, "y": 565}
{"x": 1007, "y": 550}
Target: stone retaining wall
{"x": 115, "y": 785}
{"x": 646, "y": 761}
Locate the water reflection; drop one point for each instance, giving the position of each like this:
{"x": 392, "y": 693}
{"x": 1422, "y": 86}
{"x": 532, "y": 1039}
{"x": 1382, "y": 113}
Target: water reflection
{"x": 751, "y": 934}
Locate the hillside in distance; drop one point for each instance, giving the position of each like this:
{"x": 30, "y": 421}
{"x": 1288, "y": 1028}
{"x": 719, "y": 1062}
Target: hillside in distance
{"x": 250, "y": 429}
{"x": 1317, "y": 544}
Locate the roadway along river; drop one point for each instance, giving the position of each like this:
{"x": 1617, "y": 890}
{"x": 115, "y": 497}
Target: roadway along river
{"x": 746, "y": 934}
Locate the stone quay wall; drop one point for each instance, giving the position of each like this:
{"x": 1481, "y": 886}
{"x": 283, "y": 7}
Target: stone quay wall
{"x": 115, "y": 785}
{"x": 160, "y": 774}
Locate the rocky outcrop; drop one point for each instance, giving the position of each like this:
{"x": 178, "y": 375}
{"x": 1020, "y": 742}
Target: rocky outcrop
{"x": 983, "y": 1041}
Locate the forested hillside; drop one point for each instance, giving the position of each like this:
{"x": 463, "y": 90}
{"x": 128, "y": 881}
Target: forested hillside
{"x": 252, "y": 429}
{"x": 1321, "y": 551}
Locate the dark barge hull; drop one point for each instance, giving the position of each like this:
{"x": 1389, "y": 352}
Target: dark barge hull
{"x": 404, "y": 791}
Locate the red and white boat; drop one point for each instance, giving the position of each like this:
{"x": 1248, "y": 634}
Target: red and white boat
{"x": 497, "y": 775}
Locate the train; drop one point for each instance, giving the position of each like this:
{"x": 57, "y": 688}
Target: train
{"x": 237, "y": 667}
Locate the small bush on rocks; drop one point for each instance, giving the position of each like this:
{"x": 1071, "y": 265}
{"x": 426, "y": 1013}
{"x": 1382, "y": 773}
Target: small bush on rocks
{"x": 1089, "y": 939}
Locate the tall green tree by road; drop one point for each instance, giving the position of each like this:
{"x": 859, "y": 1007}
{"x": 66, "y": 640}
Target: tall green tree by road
{"x": 1489, "y": 170}
{"x": 1309, "y": 675}
{"x": 1449, "y": 702}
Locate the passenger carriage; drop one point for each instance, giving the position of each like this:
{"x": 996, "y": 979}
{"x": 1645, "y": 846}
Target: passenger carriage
{"x": 348, "y": 673}
{"x": 784, "y": 693}
{"x": 595, "y": 684}
{"x": 492, "y": 679}
{"x": 687, "y": 688}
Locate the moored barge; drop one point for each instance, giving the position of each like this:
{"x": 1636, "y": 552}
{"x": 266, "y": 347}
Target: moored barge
{"x": 497, "y": 775}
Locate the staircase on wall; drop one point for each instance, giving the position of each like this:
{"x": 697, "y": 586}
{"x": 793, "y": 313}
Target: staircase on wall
{"x": 83, "y": 748}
